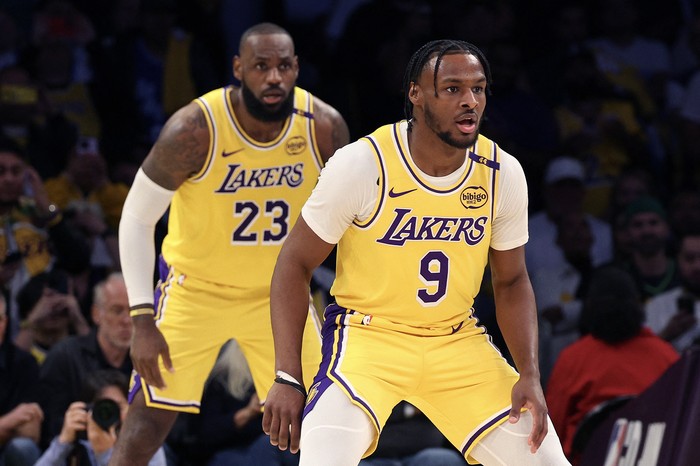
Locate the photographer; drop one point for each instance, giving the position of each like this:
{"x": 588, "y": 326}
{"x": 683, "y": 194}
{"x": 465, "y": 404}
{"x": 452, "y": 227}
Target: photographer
{"x": 91, "y": 428}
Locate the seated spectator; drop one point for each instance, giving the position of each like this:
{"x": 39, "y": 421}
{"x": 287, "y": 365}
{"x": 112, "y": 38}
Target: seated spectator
{"x": 410, "y": 439}
{"x": 648, "y": 261}
{"x": 229, "y": 426}
{"x": 63, "y": 373}
{"x": 32, "y": 230}
{"x": 91, "y": 424}
{"x": 92, "y": 203}
{"x": 564, "y": 191}
{"x": 674, "y": 314}
{"x": 49, "y": 313}
{"x": 615, "y": 356}
{"x": 559, "y": 291}
{"x": 20, "y": 415}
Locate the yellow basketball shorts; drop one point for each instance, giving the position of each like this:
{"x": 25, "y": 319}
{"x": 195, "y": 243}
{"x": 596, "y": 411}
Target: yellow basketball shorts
{"x": 458, "y": 380}
{"x": 196, "y": 318}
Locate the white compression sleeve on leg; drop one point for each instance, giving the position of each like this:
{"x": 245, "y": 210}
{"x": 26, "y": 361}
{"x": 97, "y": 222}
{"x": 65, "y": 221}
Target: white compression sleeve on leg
{"x": 335, "y": 432}
{"x": 506, "y": 445}
{"x": 144, "y": 206}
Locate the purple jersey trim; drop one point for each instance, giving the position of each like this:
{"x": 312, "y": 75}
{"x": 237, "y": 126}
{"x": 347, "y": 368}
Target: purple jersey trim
{"x": 382, "y": 185}
{"x": 407, "y": 164}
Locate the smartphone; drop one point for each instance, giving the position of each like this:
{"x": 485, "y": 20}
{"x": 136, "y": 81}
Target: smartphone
{"x": 686, "y": 304}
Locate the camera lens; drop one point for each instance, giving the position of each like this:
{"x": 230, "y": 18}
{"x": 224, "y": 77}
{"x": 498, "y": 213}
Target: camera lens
{"x": 106, "y": 413}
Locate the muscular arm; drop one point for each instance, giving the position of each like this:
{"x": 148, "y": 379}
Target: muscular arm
{"x": 331, "y": 130}
{"x": 180, "y": 150}
{"x": 517, "y": 318}
{"x": 302, "y": 252}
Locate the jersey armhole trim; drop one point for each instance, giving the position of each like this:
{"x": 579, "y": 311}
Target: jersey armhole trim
{"x": 211, "y": 125}
{"x": 381, "y": 183}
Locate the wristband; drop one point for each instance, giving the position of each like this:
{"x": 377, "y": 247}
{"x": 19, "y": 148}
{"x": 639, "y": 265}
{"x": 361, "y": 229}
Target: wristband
{"x": 141, "y": 312}
{"x": 286, "y": 379}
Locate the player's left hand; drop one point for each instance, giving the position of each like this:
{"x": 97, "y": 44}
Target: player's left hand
{"x": 527, "y": 393}
{"x": 282, "y": 416}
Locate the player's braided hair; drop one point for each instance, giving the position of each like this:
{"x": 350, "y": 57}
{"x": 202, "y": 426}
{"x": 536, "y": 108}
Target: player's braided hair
{"x": 437, "y": 48}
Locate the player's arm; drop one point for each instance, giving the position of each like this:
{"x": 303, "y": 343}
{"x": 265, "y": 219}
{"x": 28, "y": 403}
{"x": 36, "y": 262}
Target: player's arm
{"x": 331, "y": 130}
{"x": 517, "y": 319}
{"x": 179, "y": 152}
{"x": 301, "y": 253}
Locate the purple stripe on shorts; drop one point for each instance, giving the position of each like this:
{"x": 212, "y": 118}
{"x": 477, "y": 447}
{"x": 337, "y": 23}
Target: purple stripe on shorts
{"x": 134, "y": 389}
{"x": 481, "y": 430}
{"x": 328, "y": 350}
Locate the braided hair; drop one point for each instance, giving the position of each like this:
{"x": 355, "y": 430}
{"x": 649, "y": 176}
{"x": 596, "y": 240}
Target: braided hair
{"x": 423, "y": 55}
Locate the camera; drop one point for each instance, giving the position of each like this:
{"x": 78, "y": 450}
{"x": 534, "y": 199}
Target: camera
{"x": 106, "y": 413}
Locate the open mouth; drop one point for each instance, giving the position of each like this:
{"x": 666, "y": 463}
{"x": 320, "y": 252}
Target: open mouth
{"x": 467, "y": 124}
{"x": 272, "y": 98}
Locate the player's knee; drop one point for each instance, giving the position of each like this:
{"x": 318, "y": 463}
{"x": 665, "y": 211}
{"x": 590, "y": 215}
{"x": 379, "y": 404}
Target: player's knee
{"x": 507, "y": 444}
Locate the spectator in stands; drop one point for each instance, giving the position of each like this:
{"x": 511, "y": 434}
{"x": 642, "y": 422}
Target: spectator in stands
{"x": 564, "y": 191}
{"x": 615, "y": 356}
{"x": 20, "y": 415}
{"x": 106, "y": 347}
{"x": 674, "y": 314}
{"x": 559, "y": 291}
{"x": 32, "y": 230}
{"x": 649, "y": 262}
{"x": 92, "y": 203}
{"x": 49, "y": 313}
{"x": 91, "y": 424}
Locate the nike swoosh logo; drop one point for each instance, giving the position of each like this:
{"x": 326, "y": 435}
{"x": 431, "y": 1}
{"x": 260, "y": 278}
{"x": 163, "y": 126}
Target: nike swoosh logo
{"x": 394, "y": 194}
{"x": 227, "y": 154}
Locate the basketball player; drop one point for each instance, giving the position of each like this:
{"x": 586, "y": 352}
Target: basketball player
{"x": 235, "y": 166}
{"x": 417, "y": 209}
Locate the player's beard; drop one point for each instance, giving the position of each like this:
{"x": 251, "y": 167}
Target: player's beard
{"x": 262, "y": 112}
{"x": 445, "y": 136}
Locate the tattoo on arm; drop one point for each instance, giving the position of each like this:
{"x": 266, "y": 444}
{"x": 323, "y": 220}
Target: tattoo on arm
{"x": 181, "y": 149}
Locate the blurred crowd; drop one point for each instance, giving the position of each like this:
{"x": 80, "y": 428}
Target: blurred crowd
{"x": 598, "y": 100}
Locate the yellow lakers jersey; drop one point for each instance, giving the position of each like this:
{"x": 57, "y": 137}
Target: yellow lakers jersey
{"x": 418, "y": 260}
{"x": 227, "y": 223}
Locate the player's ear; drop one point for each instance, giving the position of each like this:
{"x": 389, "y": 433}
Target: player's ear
{"x": 237, "y": 68}
{"x": 415, "y": 93}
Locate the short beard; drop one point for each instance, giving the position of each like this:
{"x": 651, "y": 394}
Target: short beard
{"x": 262, "y": 112}
{"x": 445, "y": 136}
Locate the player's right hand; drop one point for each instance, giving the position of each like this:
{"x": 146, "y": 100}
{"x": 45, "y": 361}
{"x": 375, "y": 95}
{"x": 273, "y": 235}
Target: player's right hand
{"x": 147, "y": 345}
{"x": 282, "y": 416}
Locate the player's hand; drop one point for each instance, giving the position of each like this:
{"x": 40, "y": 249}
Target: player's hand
{"x": 282, "y": 416}
{"x": 146, "y": 346}
{"x": 527, "y": 393}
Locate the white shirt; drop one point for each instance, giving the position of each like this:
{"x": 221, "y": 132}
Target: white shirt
{"x": 662, "y": 307}
{"x": 347, "y": 190}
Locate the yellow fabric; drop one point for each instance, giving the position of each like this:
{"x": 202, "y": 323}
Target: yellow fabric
{"x": 110, "y": 197}
{"x": 434, "y": 240}
{"x": 178, "y": 85}
{"x": 242, "y": 205}
{"x": 31, "y": 241}
{"x": 459, "y": 380}
{"x": 196, "y": 318}
{"x": 76, "y": 104}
